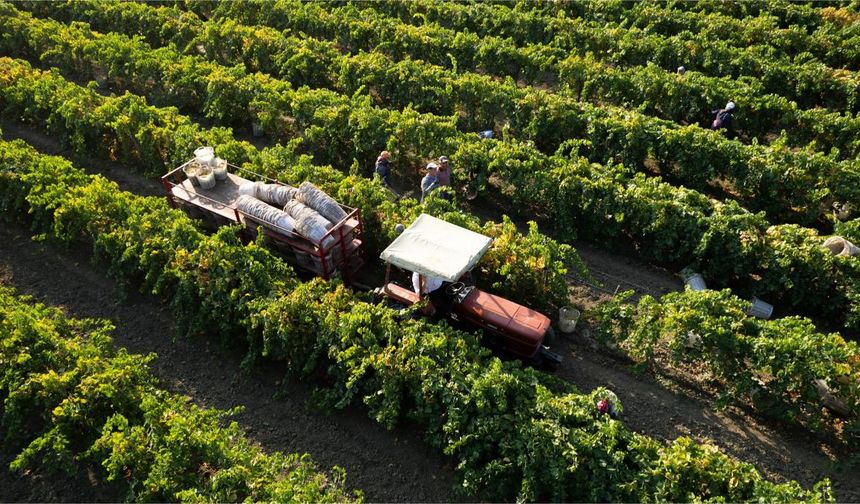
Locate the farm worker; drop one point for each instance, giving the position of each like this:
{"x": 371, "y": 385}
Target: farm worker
{"x": 429, "y": 182}
{"x": 607, "y": 405}
{"x": 439, "y": 301}
{"x": 723, "y": 119}
{"x": 443, "y": 174}
{"x": 383, "y": 168}
{"x": 430, "y": 283}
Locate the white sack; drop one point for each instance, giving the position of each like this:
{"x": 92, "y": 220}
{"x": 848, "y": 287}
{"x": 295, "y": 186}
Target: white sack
{"x": 309, "y": 223}
{"x": 315, "y": 198}
{"x": 265, "y": 213}
{"x": 274, "y": 194}
{"x": 841, "y": 247}
{"x": 248, "y": 189}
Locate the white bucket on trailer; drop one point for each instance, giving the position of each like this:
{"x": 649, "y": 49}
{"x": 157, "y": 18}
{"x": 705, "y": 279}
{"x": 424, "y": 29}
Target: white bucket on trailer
{"x": 190, "y": 171}
{"x": 220, "y": 168}
{"x": 206, "y": 178}
{"x": 204, "y": 155}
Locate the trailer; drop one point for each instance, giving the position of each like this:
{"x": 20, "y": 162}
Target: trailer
{"x": 339, "y": 252}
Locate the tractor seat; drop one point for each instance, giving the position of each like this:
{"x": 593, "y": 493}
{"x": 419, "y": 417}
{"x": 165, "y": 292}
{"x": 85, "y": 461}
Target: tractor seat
{"x": 400, "y": 294}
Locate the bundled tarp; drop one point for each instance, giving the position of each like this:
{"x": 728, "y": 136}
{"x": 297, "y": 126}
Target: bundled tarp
{"x": 309, "y": 223}
{"x": 265, "y": 213}
{"x": 315, "y": 198}
{"x": 274, "y": 194}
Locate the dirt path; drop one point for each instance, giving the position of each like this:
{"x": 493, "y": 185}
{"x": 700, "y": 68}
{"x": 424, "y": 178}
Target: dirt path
{"x": 127, "y": 180}
{"x": 39, "y": 485}
{"x": 655, "y": 407}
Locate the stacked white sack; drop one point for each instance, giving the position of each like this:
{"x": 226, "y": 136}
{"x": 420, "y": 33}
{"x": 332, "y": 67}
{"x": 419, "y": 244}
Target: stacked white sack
{"x": 265, "y": 212}
{"x": 309, "y": 223}
{"x": 315, "y": 198}
{"x": 274, "y": 194}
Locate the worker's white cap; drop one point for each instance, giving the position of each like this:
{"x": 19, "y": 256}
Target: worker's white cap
{"x": 730, "y": 105}
{"x": 432, "y": 166}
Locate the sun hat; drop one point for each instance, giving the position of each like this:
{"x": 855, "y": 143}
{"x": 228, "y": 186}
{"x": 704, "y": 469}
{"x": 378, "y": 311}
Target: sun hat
{"x": 730, "y": 105}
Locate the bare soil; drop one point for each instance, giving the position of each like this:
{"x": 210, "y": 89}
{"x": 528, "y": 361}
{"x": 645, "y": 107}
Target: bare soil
{"x": 398, "y": 466}
{"x": 38, "y": 485}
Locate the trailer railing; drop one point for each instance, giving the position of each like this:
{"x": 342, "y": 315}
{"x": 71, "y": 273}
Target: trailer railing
{"x": 341, "y": 248}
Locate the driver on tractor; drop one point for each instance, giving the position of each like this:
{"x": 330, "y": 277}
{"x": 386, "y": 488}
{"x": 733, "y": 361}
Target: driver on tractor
{"x": 434, "y": 288}
{"x": 440, "y": 255}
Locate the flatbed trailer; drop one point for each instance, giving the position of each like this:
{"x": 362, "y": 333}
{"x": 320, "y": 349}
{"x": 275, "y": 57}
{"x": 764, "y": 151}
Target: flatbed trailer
{"x": 343, "y": 254}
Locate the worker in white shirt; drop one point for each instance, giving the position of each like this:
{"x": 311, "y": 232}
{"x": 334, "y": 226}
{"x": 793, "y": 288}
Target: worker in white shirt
{"x": 430, "y": 283}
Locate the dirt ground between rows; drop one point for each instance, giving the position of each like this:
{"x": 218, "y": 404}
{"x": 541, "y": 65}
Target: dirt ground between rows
{"x": 653, "y": 405}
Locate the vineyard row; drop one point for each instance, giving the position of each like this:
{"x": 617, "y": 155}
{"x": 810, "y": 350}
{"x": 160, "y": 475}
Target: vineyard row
{"x": 544, "y": 23}
{"x": 774, "y": 179}
{"x": 516, "y": 256}
{"x": 529, "y": 267}
{"x": 806, "y": 82}
{"x": 680, "y": 99}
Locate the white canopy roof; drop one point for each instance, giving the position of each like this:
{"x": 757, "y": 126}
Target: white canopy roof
{"x": 436, "y": 248}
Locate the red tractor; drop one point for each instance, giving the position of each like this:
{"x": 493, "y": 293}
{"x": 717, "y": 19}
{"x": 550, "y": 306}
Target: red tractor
{"x": 440, "y": 255}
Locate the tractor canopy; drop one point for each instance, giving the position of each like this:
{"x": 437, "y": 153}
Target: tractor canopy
{"x": 433, "y": 247}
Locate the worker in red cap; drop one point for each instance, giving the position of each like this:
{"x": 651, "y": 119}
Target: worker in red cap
{"x": 383, "y": 168}
{"x": 608, "y": 404}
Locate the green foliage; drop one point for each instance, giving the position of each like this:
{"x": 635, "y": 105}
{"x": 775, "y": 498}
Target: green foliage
{"x": 156, "y": 138}
{"x": 774, "y": 363}
{"x": 343, "y": 129}
{"x": 564, "y": 190}
{"x": 513, "y": 432}
{"x": 690, "y": 155}
{"x": 502, "y": 423}
{"x": 69, "y": 398}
